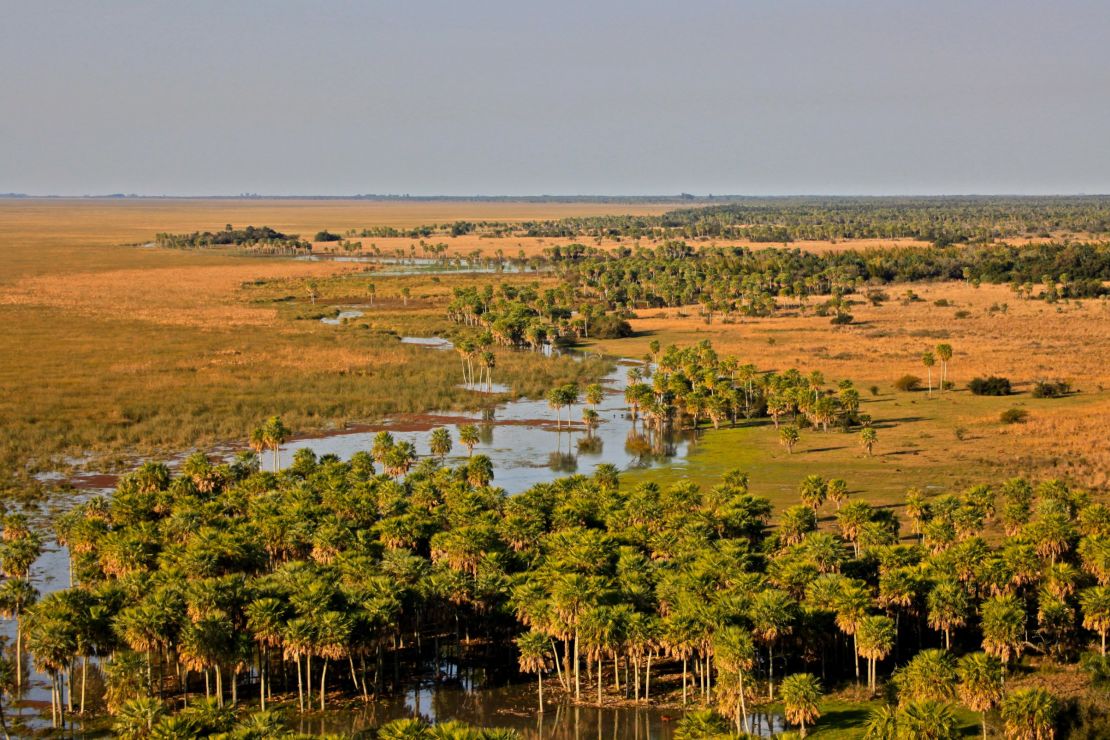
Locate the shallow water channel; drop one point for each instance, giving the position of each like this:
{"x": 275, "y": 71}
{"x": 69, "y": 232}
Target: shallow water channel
{"x": 527, "y": 446}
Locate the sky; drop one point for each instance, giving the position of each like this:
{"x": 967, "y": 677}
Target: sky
{"x": 527, "y": 97}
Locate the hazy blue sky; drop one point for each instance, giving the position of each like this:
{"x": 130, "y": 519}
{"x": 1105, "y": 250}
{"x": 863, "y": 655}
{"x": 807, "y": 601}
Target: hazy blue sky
{"x": 824, "y": 96}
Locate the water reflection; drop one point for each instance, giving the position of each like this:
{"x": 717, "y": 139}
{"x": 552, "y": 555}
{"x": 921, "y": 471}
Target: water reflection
{"x": 523, "y": 439}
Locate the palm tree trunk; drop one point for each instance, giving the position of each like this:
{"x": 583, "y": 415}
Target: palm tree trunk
{"x": 771, "y": 671}
{"x": 300, "y": 684}
{"x": 684, "y": 681}
{"x": 84, "y": 678}
{"x": 647, "y": 678}
{"x": 577, "y": 684}
{"x": 743, "y": 702}
{"x": 219, "y": 686}
{"x": 323, "y": 683}
{"x": 600, "y": 665}
{"x": 558, "y": 668}
{"x": 539, "y": 678}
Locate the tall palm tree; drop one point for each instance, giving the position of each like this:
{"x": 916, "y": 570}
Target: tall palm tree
{"x": 800, "y": 694}
{"x": 16, "y": 595}
{"x": 1029, "y": 714}
{"x": 837, "y": 491}
{"x": 534, "y": 650}
{"x": 276, "y": 433}
{"x": 944, "y": 353}
{"x": 788, "y": 437}
{"x": 980, "y": 687}
{"x": 772, "y": 614}
{"x": 1095, "y": 603}
{"x": 875, "y": 637}
{"x": 1003, "y": 625}
{"x": 948, "y": 607}
{"x": 735, "y": 655}
{"x": 928, "y": 359}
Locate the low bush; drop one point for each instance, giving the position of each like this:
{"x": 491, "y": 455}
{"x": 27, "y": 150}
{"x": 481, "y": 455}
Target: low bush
{"x": 1045, "y": 389}
{"x": 842, "y": 318}
{"x": 990, "y": 386}
{"x": 1014, "y": 416}
{"x": 908, "y": 383}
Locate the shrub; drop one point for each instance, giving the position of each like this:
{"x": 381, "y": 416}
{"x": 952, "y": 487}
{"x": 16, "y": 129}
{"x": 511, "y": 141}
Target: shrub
{"x": 1045, "y": 389}
{"x": 908, "y": 383}
{"x": 961, "y": 433}
{"x": 1014, "y": 416}
{"x": 874, "y": 390}
{"x": 990, "y": 386}
{"x": 962, "y": 314}
{"x": 326, "y": 236}
{"x": 941, "y": 303}
{"x": 841, "y": 319}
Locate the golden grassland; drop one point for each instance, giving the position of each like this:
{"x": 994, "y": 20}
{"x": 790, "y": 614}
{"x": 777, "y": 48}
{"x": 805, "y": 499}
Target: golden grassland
{"x": 918, "y": 442}
{"x": 117, "y": 350}
{"x": 111, "y": 351}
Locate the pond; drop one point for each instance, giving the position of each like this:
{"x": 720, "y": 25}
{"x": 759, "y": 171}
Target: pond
{"x": 527, "y": 442}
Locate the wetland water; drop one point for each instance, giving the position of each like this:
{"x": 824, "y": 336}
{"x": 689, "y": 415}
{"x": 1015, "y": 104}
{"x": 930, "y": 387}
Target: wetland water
{"x": 527, "y": 446}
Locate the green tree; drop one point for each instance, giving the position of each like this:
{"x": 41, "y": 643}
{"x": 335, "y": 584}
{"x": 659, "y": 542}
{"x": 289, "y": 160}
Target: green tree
{"x": 800, "y": 694}
{"x": 534, "y": 648}
{"x": 440, "y": 443}
{"x": 468, "y": 437}
{"x": 1095, "y": 603}
{"x": 1029, "y": 714}
{"x": 867, "y": 438}
{"x": 980, "y": 683}
{"x": 875, "y": 638}
{"x": 944, "y": 353}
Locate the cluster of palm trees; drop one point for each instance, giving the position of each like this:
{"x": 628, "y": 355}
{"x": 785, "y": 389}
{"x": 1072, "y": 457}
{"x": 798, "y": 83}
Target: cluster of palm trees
{"x": 330, "y": 577}
{"x": 524, "y": 315}
{"x": 692, "y": 384}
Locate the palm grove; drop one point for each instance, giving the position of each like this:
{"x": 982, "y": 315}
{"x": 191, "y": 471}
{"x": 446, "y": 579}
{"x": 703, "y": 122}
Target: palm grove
{"x": 330, "y": 577}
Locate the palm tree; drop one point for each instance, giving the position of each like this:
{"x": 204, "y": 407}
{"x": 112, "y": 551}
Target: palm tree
{"x": 867, "y": 438}
{"x": 813, "y": 491}
{"x": 980, "y": 686}
{"x": 929, "y": 360}
{"x": 16, "y": 594}
{"x": 928, "y": 720}
{"x": 1029, "y": 714}
{"x": 1003, "y": 625}
{"x": 1095, "y": 602}
{"x": 535, "y": 649}
{"x": 875, "y": 637}
{"x": 594, "y": 394}
{"x": 944, "y": 352}
{"x": 276, "y": 433}
{"x": 788, "y": 437}
{"x": 772, "y": 614}
{"x": 930, "y": 675}
{"x": 479, "y": 471}
{"x": 735, "y": 655}
{"x": 556, "y": 399}
{"x": 882, "y": 723}
{"x": 800, "y": 694}
{"x": 52, "y": 642}
{"x": 468, "y": 437}
{"x": 383, "y": 443}
{"x": 699, "y": 724}
{"x": 837, "y": 491}
{"x": 440, "y": 443}
{"x": 948, "y": 608}
{"x": 137, "y": 717}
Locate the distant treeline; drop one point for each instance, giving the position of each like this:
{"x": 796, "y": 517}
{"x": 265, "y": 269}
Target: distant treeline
{"x": 739, "y": 278}
{"x": 939, "y": 220}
